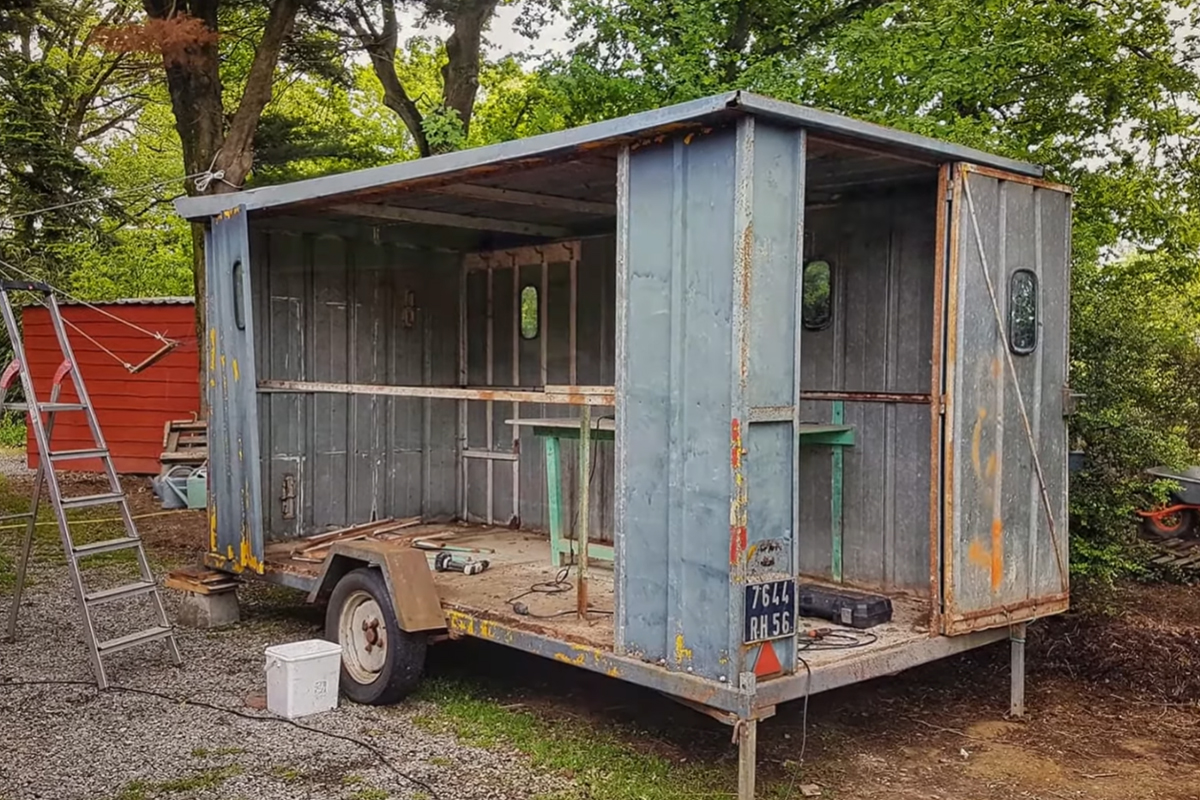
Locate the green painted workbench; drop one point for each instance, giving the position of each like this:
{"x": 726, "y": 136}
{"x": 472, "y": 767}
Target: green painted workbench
{"x": 552, "y": 430}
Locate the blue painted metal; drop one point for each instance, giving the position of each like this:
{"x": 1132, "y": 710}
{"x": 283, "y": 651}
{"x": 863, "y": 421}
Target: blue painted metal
{"x": 718, "y": 343}
{"x": 234, "y": 508}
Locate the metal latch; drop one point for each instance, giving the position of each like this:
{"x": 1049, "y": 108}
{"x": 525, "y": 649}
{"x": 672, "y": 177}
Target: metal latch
{"x": 287, "y": 497}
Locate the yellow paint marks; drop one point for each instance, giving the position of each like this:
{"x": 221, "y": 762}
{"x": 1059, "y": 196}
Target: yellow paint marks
{"x": 577, "y": 661}
{"x": 229, "y": 552}
{"x": 459, "y": 622}
{"x": 222, "y": 361}
{"x": 236, "y": 374}
{"x": 976, "y": 442}
{"x": 997, "y": 553}
{"x": 991, "y": 465}
{"x": 486, "y": 630}
{"x": 613, "y": 672}
{"x": 682, "y": 653}
{"x": 212, "y": 349}
{"x": 979, "y": 555}
{"x": 248, "y": 559}
{"x": 212, "y": 529}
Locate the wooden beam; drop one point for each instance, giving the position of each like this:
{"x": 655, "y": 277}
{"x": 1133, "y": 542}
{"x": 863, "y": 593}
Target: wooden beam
{"x": 566, "y": 398}
{"x": 425, "y": 217}
{"x": 515, "y": 197}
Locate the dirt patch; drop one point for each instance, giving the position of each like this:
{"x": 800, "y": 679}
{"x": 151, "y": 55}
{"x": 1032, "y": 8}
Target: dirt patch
{"x": 1142, "y": 638}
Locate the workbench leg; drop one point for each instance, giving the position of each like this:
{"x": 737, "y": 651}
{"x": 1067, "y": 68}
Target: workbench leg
{"x": 835, "y": 496}
{"x": 1016, "y": 703}
{"x": 747, "y": 754}
{"x": 554, "y": 498}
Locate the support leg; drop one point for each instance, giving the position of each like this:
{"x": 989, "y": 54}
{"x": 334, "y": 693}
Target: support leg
{"x": 26, "y": 551}
{"x": 835, "y": 496}
{"x": 1016, "y": 703}
{"x": 747, "y": 754}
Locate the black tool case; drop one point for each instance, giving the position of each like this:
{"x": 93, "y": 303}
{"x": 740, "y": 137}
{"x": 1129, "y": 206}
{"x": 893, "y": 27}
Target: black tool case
{"x": 844, "y": 606}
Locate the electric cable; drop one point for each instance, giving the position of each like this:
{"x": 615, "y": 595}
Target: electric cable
{"x": 187, "y": 701}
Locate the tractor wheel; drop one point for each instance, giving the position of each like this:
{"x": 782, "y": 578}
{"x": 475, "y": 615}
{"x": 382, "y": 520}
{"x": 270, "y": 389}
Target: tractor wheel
{"x": 381, "y": 663}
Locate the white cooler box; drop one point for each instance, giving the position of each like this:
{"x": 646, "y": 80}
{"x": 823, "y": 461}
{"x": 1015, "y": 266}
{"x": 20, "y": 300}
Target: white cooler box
{"x": 302, "y": 677}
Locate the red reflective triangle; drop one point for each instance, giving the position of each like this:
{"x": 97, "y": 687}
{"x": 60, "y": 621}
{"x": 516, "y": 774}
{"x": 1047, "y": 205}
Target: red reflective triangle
{"x": 768, "y": 662}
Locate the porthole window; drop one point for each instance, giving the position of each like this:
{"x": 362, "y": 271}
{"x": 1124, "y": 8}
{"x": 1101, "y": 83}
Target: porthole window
{"x": 817, "y": 310}
{"x": 1022, "y": 312}
{"x": 530, "y": 313}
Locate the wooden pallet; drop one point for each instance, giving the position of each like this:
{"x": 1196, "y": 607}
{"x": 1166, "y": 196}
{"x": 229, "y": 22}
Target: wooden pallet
{"x": 184, "y": 442}
{"x": 315, "y": 548}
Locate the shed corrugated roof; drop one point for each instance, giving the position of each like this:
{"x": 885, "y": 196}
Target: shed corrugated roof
{"x": 710, "y": 109}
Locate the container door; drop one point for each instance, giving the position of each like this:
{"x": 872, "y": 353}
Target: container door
{"x": 235, "y": 495}
{"x": 1004, "y": 540}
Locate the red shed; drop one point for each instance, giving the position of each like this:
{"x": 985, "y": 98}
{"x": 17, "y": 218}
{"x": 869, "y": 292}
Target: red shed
{"x": 132, "y": 409}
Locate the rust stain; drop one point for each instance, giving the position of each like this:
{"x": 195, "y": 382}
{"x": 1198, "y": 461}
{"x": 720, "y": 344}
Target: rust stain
{"x": 997, "y": 553}
{"x": 735, "y": 444}
{"x": 995, "y": 368}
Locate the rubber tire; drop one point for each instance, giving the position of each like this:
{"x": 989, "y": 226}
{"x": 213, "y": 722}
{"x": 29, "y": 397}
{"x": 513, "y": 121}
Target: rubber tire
{"x": 405, "y": 662}
{"x": 1187, "y": 521}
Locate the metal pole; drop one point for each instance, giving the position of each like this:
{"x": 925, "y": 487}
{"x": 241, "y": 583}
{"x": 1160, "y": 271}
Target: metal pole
{"x": 747, "y": 730}
{"x": 1016, "y": 703}
{"x": 581, "y": 532}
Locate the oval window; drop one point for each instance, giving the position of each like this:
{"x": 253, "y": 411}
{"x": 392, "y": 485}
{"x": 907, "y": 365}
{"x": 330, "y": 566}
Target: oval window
{"x": 529, "y": 312}
{"x": 1022, "y": 312}
{"x": 817, "y": 310}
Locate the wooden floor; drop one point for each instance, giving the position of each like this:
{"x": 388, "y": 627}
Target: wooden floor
{"x": 519, "y": 572}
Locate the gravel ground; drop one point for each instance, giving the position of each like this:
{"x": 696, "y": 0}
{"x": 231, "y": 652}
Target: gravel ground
{"x": 66, "y": 742}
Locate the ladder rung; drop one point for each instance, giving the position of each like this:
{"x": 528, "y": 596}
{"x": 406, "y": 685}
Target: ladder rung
{"x": 134, "y": 639}
{"x": 85, "y": 500}
{"x": 72, "y": 455}
{"x": 47, "y": 407}
{"x": 120, "y": 592}
{"x": 7, "y": 517}
{"x": 107, "y": 546}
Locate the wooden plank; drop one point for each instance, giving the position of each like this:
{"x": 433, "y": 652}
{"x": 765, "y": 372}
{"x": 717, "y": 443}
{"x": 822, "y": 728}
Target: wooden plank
{"x": 436, "y": 392}
{"x": 515, "y": 197}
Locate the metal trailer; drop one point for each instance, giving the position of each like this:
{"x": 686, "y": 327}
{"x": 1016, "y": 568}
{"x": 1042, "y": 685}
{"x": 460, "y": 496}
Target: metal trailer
{"x": 727, "y": 343}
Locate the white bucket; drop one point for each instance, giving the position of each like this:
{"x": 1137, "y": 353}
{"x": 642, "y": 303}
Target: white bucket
{"x": 302, "y": 677}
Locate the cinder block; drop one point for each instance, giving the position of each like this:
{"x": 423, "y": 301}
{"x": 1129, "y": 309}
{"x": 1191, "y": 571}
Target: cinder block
{"x": 205, "y": 611}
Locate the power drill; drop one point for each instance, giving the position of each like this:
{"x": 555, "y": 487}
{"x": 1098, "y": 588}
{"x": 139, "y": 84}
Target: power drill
{"x": 446, "y": 562}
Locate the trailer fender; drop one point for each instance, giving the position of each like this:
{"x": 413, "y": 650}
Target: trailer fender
{"x": 406, "y": 572}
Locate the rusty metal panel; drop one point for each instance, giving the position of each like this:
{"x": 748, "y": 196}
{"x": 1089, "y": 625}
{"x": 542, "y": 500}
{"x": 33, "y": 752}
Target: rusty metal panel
{"x": 349, "y": 308}
{"x": 235, "y": 523}
{"x": 1005, "y": 554}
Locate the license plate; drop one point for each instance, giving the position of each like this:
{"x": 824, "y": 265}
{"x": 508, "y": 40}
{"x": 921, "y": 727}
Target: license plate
{"x": 770, "y": 611}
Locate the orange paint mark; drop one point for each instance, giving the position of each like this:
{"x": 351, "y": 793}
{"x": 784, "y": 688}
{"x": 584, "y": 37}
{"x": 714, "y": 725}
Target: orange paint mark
{"x": 768, "y": 662}
{"x": 978, "y": 555}
{"x": 997, "y": 553}
{"x": 737, "y": 542}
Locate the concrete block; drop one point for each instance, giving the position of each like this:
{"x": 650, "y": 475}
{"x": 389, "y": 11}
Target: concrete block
{"x": 214, "y": 610}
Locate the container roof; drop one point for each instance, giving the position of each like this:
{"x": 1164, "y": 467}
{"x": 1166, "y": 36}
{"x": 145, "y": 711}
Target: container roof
{"x": 578, "y": 142}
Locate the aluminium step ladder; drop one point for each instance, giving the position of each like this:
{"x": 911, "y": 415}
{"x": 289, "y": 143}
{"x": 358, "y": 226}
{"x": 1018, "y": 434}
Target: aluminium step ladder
{"x": 145, "y": 585}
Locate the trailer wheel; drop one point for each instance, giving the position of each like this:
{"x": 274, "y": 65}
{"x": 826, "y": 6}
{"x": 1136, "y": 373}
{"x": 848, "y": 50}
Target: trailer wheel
{"x": 380, "y": 662}
{"x": 1172, "y": 525}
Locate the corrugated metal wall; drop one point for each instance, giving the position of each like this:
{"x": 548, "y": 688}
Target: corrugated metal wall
{"x": 575, "y": 282}
{"x": 881, "y": 251}
{"x": 347, "y": 309}
{"x": 132, "y": 409}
